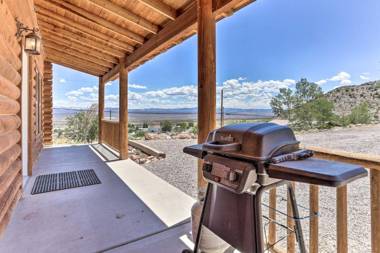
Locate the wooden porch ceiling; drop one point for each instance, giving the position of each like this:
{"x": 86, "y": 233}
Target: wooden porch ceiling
{"x": 92, "y": 36}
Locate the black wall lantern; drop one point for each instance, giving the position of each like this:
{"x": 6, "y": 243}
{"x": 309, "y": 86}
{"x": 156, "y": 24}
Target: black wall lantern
{"x": 32, "y": 40}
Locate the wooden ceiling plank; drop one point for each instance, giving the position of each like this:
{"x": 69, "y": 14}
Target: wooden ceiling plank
{"x": 67, "y": 44}
{"x": 72, "y": 66}
{"x": 90, "y": 17}
{"x": 126, "y": 15}
{"x": 56, "y": 19}
{"x": 80, "y": 55}
{"x": 161, "y": 8}
{"x": 83, "y": 41}
{"x": 171, "y": 33}
{"x": 79, "y": 34}
{"x": 84, "y": 62}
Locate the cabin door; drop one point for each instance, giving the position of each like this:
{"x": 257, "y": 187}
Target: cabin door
{"x": 25, "y": 113}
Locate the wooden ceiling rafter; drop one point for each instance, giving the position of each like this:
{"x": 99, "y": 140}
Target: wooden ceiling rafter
{"x": 51, "y": 9}
{"x": 80, "y": 35}
{"x": 80, "y": 48}
{"x": 126, "y": 15}
{"x": 86, "y": 63}
{"x": 68, "y": 64}
{"x": 85, "y": 42}
{"x": 161, "y": 8}
{"x": 79, "y": 55}
{"x": 68, "y": 6}
{"x": 72, "y": 26}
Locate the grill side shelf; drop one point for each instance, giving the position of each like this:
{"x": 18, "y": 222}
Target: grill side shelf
{"x": 317, "y": 172}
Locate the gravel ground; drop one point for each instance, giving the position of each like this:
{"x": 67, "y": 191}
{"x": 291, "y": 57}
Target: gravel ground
{"x": 180, "y": 170}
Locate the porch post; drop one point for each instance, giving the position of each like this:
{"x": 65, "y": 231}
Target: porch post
{"x": 123, "y": 110}
{"x": 101, "y": 108}
{"x": 206, "y": 77}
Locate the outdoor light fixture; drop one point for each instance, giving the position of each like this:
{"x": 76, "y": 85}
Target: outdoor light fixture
{"x": 32, "y": 40}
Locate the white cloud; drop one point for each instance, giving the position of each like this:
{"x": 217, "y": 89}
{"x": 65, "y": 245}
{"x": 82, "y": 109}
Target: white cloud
{"x": 342, "y": 77}
{"x": 62, "y": 80}
{"x": 108, "y": 84}
{"x": 238, "y": 92}
{"x": 321, "y": 82}
{"x": 137, "y": 86}
{"x": 364, "y": 76}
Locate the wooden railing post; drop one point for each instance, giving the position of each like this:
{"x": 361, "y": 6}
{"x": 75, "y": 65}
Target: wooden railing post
{"x": 291, "y": 238}
{"x": 272, "y": 235}
{"x": 123, "y": 110}
{"x": 314, "y": 223}
{"x": 341, "y": 219}
{"x": 101, "y": 108}
{"x": 206, "y": 76}
{"x": 375, "y": 210}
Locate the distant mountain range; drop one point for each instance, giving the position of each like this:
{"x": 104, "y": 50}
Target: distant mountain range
{"x": 261, "y": 112}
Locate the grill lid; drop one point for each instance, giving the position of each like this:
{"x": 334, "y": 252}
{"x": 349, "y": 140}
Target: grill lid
{"x": 258, "y": 141}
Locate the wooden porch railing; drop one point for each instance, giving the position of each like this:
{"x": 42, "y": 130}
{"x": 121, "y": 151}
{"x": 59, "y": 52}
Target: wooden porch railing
{"x": 372, "y": 163}
{"x": 110, "y": 133}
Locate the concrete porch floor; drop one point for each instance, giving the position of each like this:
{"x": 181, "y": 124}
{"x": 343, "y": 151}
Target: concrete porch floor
{"x": 132, "y": 210}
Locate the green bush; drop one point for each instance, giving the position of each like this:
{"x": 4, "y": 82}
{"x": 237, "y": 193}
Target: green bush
{"x": 166, "y": 126}
{"x": 181, "y": 127}
{"x": 139, "y": 134}
{"x": 83, "y": 126}
{"x": 360, "y": 114}
{"x": 145, "y": 125}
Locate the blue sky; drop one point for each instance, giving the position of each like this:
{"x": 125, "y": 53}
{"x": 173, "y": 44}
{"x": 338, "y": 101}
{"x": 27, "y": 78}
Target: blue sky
{"x": 268, "y": 45}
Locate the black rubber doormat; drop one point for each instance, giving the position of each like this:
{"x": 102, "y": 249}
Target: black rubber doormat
{"x": 64, "y": 180}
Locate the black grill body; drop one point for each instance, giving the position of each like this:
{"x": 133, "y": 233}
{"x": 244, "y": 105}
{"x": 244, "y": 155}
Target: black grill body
{"x": 243, "y": 160}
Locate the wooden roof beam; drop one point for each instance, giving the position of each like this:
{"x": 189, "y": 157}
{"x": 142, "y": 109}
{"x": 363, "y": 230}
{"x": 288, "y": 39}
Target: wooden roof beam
{"x": 86, "y": 17}
{"x": 86, "y": 50}
{"x": 70, "y": 65}
{"x": 46, "y": 16}
{"x": 126, "y": 15}
{"x": 46, "y": 30}
{"x": 75, "y": 60}
{"x": 101, "y": 21}
{"x": 161, "y": 8}
{"x": 79, "y": 55}
{"x": 184, "y": 24}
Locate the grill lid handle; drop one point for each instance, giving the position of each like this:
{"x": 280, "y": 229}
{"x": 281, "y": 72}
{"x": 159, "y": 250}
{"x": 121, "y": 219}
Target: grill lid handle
{"x": 218, "y": 146}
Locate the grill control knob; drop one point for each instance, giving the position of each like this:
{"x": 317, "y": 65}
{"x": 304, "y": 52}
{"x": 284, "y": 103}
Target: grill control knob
{"x": 232, "y": 176}
{"x": 208, "y": 167}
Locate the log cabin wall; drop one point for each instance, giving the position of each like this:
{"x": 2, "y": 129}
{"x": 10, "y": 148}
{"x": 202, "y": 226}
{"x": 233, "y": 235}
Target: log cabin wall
{"x": 47, "y": 104}
{"x": 10, "y": 104}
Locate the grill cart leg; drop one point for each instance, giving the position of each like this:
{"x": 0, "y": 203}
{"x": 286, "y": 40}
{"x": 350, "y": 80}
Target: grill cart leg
{"x": 298, "y": 227}
{"x": 197, "y": 240}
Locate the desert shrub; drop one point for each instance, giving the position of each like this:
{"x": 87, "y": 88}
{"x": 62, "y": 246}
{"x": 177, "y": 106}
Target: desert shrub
{"x": 145, "y": 125}
{"x": 181, "y": 127}
{"x": 191, "y": 124}
{"x": 166, "y": 126}
{"x": 139, "y": 134}
{"x": 194, "y": 130}
{"x": 360, "y": 114}
{"x": 83, "y": 126}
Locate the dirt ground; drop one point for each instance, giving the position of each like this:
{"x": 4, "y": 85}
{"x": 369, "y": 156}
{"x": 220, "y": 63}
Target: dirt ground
{"x": 180, "y": 170}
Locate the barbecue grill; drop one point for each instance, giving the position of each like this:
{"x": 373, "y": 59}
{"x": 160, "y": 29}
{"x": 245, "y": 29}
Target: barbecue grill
{"x": 241, "y": 161}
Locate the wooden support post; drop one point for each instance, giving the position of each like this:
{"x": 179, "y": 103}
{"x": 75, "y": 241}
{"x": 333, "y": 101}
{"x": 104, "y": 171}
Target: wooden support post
{"x": 341, "y": 219}
{"x": 101, "y": 108}
{"x": 375, "y": 210}
{"x": 272, "y": 235}
{"x": 291, "y": 238}
{"x": 314, "y": 222}
{"x": 123, "y": 110}
{"x": 206, "y": 76}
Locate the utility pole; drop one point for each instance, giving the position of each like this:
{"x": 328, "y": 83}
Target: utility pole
{"x": 221, "y": 108}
